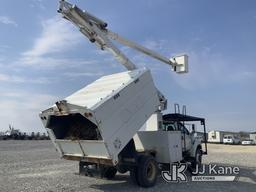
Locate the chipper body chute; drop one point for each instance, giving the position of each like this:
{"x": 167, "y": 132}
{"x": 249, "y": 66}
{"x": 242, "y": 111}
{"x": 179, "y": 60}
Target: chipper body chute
{"x": 95, "y": 123}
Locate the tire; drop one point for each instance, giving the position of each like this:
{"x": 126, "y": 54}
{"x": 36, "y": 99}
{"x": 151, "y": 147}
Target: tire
{"x": 197, "y": 160}
{"x": 110, "y": 172}
{"x": 147, "y": 171}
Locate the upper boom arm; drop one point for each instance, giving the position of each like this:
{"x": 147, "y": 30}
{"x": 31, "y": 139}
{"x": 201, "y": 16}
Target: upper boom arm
{"x": 95, "y": 30}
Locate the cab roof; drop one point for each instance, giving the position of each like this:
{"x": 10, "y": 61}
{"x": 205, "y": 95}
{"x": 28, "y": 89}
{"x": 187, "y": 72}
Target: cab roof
{"x": 181, "y": 117}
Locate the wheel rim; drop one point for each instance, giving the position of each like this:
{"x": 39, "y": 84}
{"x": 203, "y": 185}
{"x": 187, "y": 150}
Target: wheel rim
{"x": 151, "y": 171}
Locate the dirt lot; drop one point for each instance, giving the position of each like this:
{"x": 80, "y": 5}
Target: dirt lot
{"x": 35, "y": 166}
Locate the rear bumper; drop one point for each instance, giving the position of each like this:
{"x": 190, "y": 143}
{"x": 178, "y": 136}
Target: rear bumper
{"x": 102, "y": 161}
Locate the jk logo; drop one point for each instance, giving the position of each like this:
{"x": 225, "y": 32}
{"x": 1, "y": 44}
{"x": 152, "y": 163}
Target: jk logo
{"x": 176, "y": 173}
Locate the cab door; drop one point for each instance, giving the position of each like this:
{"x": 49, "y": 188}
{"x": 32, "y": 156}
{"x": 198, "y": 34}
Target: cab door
{"x": 185, "y": 137}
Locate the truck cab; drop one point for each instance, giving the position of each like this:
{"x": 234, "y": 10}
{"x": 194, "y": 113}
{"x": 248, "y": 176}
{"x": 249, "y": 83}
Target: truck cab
{"x": 168, "y": 139}
{"x": 182, "y": 122}
{"x": 186, "y": 136}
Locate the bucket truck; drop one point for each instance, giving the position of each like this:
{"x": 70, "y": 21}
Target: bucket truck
{"x": 116, "y": 122}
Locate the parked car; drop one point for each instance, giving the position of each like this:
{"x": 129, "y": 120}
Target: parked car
{"x": 231, "y": 139}
{"x": 247, "y": 142}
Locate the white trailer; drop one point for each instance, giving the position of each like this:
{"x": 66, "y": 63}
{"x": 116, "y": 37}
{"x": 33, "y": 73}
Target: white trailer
{"x": 112, "y": 124}
{"x": 216, "y": 136}
{"x": 253, "y": 137}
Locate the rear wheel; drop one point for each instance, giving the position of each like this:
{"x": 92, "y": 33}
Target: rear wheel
{"x": 147, "y": 171}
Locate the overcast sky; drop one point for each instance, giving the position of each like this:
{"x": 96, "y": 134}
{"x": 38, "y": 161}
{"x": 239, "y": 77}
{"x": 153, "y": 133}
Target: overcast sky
{"x": 44, "y": 58}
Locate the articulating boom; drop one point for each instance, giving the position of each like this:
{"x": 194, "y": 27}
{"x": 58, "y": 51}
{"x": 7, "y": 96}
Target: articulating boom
{"x": 96, "y": 31}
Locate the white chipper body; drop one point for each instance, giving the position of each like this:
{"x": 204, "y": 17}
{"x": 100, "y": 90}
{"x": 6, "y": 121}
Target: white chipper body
{"x": 116, "y": 122}
{"x": 97, "y": 122}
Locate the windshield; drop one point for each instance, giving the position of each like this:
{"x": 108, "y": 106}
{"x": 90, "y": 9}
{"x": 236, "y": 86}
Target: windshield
{"x": 175, "y": 126}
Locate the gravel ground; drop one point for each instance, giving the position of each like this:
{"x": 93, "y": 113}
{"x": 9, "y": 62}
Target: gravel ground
{"x": 35, "y": 166}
